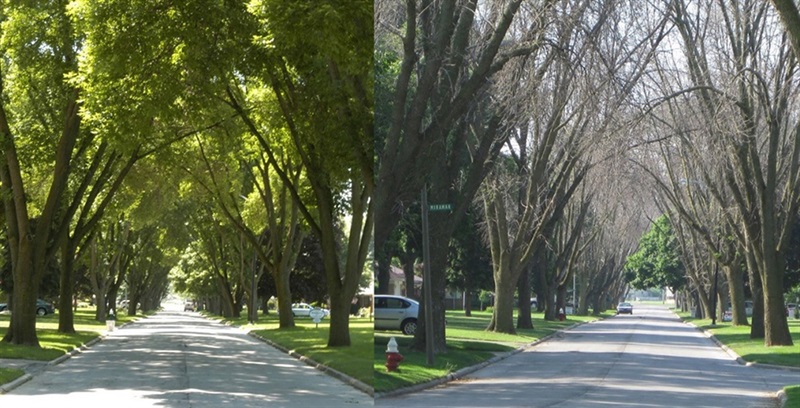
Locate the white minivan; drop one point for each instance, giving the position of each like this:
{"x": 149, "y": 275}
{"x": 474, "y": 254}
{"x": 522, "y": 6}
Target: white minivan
{"x": 396, "y": 313}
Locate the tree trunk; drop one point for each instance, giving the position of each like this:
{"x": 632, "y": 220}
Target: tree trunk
{"x": 285, "y": 317}
{"x": 408, "y": 273}
{"x": 735, "y": 277}
{"x": 22, "y": 328}
{"x": 439, "y": 239}
{"x": 524, "y": 320}
{"x": 66, "y": 290}
{"x": 384, "y": 267}
{"x": 101, "y": 311}
{"x": 503, "y": 312}
{"x": 776, "y": 327}
{"x": 467, "y": 302}
{"x": 561, "y": 298}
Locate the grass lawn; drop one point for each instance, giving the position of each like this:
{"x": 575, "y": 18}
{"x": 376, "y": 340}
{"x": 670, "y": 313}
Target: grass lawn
{"x": 468, "y": 343}
{"x": 55, "y": 344}
{"x": 738, "y": 339}
{"x": 793, "y": 394}
{"x": 9, "y": 374}
{"x": 310, "y": 341}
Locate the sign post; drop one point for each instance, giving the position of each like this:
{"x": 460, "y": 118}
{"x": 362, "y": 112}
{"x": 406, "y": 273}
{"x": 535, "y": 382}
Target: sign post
{"x": 427, "y": 294}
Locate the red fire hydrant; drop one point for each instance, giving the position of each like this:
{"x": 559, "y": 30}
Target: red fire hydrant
{"x": 393, "y": 357}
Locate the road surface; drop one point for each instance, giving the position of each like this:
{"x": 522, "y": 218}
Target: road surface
{"x": 177, "y": 359}
{"x": 649, "y": 359}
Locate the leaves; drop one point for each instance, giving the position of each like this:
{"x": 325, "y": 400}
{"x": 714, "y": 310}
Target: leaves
{"x": 657, "y": 263}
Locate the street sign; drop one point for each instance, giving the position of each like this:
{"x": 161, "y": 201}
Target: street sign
{"x": 440, "y": 207}
{"x": 316, "y": 314}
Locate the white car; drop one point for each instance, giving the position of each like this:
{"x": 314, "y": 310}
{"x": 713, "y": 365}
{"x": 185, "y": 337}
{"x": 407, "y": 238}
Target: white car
{"x": 396, "y": 313}
{"x": 304, "y": 310}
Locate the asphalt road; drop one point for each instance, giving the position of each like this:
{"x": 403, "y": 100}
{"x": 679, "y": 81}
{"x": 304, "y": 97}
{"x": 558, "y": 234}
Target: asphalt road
{"x": 649, "y": 359}
{"x": 177, "y": 359}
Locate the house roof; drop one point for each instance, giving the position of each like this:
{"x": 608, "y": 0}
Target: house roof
{"x": 397, "y": 274}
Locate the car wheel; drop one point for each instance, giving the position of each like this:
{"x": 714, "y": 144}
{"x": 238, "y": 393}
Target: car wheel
{"x": 409, "y": 327}
{"x": 41, "y": 311}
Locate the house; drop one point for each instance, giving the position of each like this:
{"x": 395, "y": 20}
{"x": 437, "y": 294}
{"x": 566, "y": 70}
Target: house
{"x": 397, "y": 284}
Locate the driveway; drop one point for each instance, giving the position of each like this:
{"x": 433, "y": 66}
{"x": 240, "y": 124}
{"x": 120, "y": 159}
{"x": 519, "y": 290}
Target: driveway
{"x": 176, "y": 359}
{"x": 649, "y": 359}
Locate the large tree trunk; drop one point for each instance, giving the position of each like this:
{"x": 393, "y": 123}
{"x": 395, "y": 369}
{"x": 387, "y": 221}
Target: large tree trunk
{"x": 524, "y": 320}
{"x": 776, "y": 327}
{"x": 467, "y": 302}
{"x": 384, "y": 265}
{"x": 408, "y": 273}
{"x": 285, "y": 317}
{"x": 439, "y": 241}
{"x": 66, "y": 291}
{"x": 503, "y": 312}
{"x": 22, "y": 328}
{"x": 735, "y": 277}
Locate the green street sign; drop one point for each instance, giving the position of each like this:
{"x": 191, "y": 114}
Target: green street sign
{"x": 440, "y": 207}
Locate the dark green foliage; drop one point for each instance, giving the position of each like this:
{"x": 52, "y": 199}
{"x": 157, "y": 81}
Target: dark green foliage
{"x": 658, "y": 262}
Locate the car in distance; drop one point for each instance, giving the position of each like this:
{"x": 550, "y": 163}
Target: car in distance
{"x": 42, "y": 307}
{"x": 304, "y": 310}
{"x": 625, "y": 308}
{"x": 396, "y": 313}
{"x": 188, "y": 306}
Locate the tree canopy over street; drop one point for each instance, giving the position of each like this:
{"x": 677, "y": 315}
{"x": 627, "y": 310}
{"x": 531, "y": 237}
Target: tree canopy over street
{"x": 569, "y": 128}
{"x": 197, "y": 142}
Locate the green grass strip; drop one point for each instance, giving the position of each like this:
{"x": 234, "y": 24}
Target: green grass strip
{"x": 752, "y": 350}
{"x": 54, "y": 344}
{"x": 9, "y": 374}
{"x": 311, "y": 340}
{"x": 793, "y": 396}
{"x": 468, "y": 344}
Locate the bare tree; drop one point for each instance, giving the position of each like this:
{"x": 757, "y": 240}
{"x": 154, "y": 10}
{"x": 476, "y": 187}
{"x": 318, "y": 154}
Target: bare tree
{"x": 736, "y": 86}
{"x": 443, "y": 130}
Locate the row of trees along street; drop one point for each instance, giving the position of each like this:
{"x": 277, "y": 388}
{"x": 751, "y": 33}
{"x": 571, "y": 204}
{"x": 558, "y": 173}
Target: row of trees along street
{"x": 198, "y": 141}
{"x": 560, "y": 130}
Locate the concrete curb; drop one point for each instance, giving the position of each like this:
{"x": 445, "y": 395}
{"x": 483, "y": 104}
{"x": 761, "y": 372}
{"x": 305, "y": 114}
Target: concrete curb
{"x": 782, "y": 397}
{"x": 471, "y": 369}
{"x": 353, "y": 382}
{"x": 10, "y": 386}
{"x": 736, "y": 356}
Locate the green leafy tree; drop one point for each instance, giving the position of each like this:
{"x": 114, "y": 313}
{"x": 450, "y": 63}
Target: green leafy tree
{"x": 323, "y": 86}
{"x": 39, "y": 131}
{"x": 657, "y": 263}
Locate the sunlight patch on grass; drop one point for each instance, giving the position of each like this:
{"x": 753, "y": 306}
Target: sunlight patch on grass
{"x": 468, "y": 344}
{"x": 311, "y": 340}
{"x": 793, "y": 396}
{"x": 54, "y": 344}
{"x": 10, "y": 374}
{"x": 753, "y": 350}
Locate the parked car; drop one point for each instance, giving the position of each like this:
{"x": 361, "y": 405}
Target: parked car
{"x": 625, "y": 308}
{"x": 396, "y": 313}
{"x": 42, "y": 307}
{"x": 748, "y": 307}
{"x": 304, "y": 310}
